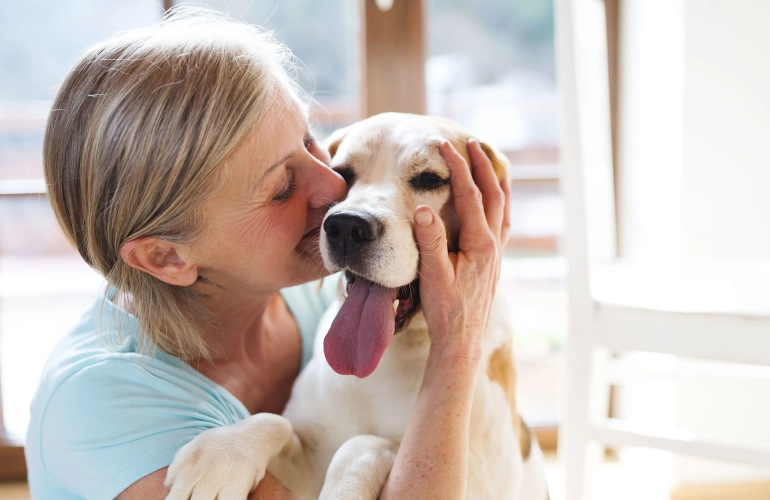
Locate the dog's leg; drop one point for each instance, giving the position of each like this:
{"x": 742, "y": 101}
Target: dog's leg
{"x": 227, "y": 462}
{"x": 359, "y": 469}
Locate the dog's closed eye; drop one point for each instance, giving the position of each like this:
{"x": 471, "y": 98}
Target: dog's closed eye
{"x": 428, "y": 181}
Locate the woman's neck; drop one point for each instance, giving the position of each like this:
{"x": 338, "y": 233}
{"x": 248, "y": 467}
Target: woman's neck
{"x": 256, "y": 352}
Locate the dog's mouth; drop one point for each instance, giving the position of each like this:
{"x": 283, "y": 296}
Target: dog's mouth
{"x": 406, "y": 303}
{"x": 366, "y": 323}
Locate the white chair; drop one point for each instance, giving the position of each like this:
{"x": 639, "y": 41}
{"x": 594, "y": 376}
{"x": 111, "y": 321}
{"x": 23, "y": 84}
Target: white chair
{"x": 708, "y": 311}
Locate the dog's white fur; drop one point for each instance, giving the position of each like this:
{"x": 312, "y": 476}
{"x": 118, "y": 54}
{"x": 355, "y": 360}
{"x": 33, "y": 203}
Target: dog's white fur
{"x": 340, "y": 433}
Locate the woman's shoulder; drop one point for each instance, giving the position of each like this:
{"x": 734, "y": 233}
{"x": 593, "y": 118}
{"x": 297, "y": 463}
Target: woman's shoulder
{"x": 98, "y": 372}
{"x": 115, "y": 420}
{"x": 105, "y": 336}
{"x": 102, "y": 405}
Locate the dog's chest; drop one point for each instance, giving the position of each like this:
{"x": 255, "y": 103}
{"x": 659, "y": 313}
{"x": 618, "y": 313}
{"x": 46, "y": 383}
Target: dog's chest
{"x": 385, "y": 400}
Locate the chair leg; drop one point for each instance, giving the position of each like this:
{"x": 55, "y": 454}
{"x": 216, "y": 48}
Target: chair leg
{"x": 587, "y": 398}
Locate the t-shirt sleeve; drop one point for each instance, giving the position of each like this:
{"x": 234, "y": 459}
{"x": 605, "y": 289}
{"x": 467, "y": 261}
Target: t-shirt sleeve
{"x": 114, "y": 422}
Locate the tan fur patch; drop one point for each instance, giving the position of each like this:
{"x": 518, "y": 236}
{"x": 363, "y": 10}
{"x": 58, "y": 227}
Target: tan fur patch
{"x": 525, "y": 438}
{"x": 451, "y": 223}
{"x": 501, "y": 370}
{"x": 499, "y": 162}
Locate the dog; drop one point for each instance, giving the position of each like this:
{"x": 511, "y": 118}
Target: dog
{"x": 339, "y": 434}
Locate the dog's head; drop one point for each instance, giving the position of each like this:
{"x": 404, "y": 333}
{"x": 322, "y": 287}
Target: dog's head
{"x": 392, "y": 164}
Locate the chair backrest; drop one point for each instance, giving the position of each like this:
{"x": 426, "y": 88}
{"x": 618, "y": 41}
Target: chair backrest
{"x": 637, "y": 281}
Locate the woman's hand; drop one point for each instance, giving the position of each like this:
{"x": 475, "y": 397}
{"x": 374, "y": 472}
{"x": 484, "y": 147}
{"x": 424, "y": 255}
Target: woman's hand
{"x": 456, "y": 289}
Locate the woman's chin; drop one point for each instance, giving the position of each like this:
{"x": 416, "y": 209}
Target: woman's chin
{"x": 310, "y": 267}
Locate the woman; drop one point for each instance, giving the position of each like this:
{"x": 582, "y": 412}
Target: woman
{"x": 180, "y": 163}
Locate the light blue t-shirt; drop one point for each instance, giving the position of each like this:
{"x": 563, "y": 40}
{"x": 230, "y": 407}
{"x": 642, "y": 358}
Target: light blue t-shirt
{"x": 105, "y": 415}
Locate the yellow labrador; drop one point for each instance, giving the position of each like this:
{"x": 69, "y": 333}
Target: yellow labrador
{"x": 350, "y": 406}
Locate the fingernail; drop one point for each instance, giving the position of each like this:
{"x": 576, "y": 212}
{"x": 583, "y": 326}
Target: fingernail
{"x": 423, "y": 217}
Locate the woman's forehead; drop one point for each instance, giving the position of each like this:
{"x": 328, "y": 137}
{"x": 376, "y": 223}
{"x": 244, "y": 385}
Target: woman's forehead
{"x": 278, "y": 134}
{"x": 289, "y": 116}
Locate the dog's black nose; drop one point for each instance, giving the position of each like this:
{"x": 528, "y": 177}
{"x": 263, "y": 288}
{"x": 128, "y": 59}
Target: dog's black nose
{"x": 349, "y": 232}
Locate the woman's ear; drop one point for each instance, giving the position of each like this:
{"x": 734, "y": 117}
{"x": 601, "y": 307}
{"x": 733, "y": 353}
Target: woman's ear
{"x": 159, "y": 258}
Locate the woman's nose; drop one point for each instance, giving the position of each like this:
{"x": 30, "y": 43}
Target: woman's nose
{"x": 328, "y": 186}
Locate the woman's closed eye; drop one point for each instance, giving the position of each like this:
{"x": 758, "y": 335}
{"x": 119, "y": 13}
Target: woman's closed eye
{"x": 286, "y": 188}
{"x": 288, "y": 184}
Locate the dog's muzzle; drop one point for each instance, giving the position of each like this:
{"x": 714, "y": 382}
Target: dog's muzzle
{"x": 349, "y": 234}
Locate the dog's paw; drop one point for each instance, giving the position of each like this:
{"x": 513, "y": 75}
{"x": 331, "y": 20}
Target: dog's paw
{"x": 359, "y": 469}
{"x": 227, "y": 462}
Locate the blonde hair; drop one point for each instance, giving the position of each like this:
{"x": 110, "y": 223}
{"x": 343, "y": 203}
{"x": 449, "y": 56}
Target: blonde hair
{"x": 135, "y": 142}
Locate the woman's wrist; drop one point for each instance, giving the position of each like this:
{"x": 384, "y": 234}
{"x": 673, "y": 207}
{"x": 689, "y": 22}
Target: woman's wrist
{"x": 457, "y": 353}
{"x": 457, "y": 345}
{"x": 453, "y": 358}
{"x": 438, "y": 430}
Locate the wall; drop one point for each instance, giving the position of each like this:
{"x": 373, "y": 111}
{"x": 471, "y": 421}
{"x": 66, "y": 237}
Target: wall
{"x": 726, "y": 153}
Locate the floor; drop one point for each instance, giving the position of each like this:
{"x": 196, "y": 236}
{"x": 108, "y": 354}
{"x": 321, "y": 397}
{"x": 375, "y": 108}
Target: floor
{"x": 14, "y": 491}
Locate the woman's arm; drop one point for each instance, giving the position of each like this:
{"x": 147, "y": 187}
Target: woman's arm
{"x": 456, "y": 292}
{"x": 151, "y": 487}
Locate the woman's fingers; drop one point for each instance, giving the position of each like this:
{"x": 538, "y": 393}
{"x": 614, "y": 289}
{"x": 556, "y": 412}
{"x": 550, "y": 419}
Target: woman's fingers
{"x": 437, "y": 270}
{"x": 467, "y": 198}
{"x": 505, "y": 228}
{"x": 486, "y": 179}
{"x": 435, "y": 266}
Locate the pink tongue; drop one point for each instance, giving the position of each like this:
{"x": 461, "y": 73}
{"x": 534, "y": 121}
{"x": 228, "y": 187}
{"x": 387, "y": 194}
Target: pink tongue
{"x": 362, "y": 329}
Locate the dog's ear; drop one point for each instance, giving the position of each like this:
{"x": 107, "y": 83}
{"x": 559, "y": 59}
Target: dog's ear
{"x": 334, "y": 140}
{"x": 499, "y": 161}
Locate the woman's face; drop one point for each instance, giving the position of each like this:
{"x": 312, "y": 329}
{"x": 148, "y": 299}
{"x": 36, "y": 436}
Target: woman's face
{"x": 261, "y": 228}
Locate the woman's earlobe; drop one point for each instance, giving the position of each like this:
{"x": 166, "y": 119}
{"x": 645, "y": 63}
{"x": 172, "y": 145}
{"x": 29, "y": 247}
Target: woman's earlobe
{"x": 159, "y": 258}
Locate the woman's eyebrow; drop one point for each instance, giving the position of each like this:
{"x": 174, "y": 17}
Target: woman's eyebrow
{"x": 269, "y": 170}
